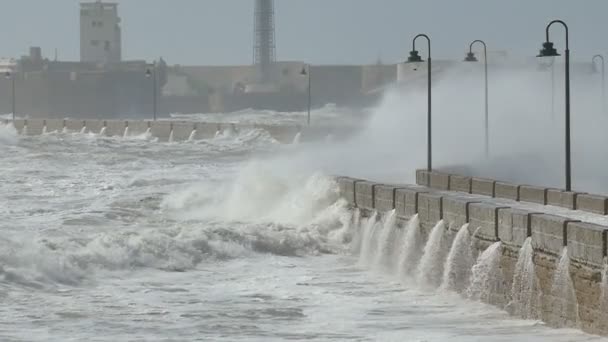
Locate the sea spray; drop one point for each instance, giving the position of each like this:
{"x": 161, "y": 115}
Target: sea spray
{"x": 525, "y": 292}
{"x": 386, "y": 239}
{"x": 410, "y": 249}
{"x": 457, "y": 269}
{"x": 355, "y": 245}
{"x": 486, "y": 275}
{"x": 44, "y": 130}
{"x": 367, "y": 239}
{"x": 430, "y": 267}
{"x": 565, "y": 304}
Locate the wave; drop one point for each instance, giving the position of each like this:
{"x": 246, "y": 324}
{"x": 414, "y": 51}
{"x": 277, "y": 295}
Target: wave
{"x": 8, "y": 134}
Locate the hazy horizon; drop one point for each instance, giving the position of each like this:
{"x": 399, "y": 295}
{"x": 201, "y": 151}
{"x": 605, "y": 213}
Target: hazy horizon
{"x": 217, "y": 32}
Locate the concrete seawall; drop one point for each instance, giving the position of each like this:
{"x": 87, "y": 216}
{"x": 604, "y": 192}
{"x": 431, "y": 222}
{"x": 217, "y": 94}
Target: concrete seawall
{"x": 513, "y": 215}
{"x": 175, "y": 130}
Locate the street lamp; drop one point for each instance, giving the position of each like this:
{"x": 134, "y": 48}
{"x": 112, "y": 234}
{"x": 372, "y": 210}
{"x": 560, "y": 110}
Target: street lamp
{"x": 306, "y": 72}
{"x": 151, "y": 72}
{"x": 549, "y": 51}
{"x": 603, "y": 78}
{"x": 471, "y": 58}
{"x": 415, "y": 58}
{"x": 10, "y": 76}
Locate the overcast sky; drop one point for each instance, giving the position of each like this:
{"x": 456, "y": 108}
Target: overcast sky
{"x": 316, "y": 31}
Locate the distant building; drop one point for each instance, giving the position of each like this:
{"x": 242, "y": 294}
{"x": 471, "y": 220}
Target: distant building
{"x": 100, "y": 35}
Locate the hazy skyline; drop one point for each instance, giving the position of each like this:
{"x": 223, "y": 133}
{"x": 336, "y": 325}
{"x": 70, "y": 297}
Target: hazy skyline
{"x": 316, "y": 31}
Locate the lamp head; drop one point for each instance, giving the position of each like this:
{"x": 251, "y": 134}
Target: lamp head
{"x": 7, "y": 75}
{"x": 148, "y": 72}
{"x": 470, "y": 57}
{"x": 414, "y": 59}
{"x": 548, "y": 50}
{"x": 304, "y": 72}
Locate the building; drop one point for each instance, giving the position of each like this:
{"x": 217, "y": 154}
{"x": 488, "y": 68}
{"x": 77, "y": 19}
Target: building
{"x": 100, "y": 34}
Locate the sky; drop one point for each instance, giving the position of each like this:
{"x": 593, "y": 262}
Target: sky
{"x": 219, "y": 32}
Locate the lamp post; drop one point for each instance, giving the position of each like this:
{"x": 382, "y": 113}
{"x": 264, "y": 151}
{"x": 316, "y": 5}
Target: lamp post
{"x": 9, "y": 75}
{"x": 415, "y": 58}
{"x": 471, "y": 58}
{"x": 307, "y": 72}
{"x": 151, "y": 72}
{"x": 603, "y": 78}
{"x": 549, "y": 51}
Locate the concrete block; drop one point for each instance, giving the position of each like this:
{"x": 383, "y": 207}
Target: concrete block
{"x": 406, "y": 201}
{"x": 480, "y": 186}
{"x": 423, "y": 177}
{"x": 533, "y": 194}
{"x": 19, "y": 124}
{"x": 182, "y": 130}
{"x": 507, "y": 190}
{"x": 94, "y": 126}
{"x": 206, "y": 130}
{"x": 384, "y": 197}
{"x": 592, "y": 203}
{"x": 587, "y": 243}
{"x": 74, "y": 126}
{"x": 549, "y": 233}
{"x": 430, "y": 209}
{"x": 115, "y": 128}
{"x": 54, "y": 125}
{"x": 560, "y": 198}
{"x": 460, "y": 183}
{"x": 283, "y": 134}
{"x": 138, "y": 127}
{"x": 456, "y": 211}
{"x": 483, "y": 220}
{"x": 514, "y": 226}
{"x": 364, "y": 194}
{"x": 35, "y": 126}
{"x": 346, "y": 188}
{"x": 161, "y": 130}
{"x": 439, "y": 181}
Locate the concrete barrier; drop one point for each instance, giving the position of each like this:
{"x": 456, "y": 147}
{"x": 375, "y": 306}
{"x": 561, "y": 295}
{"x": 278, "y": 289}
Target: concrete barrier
{"x": 456, "y": 211}
{"x": 533, "y": 194}
{"x": 587, "y": 243}
{"x": 483, "y": 220}
{"x": 138, "y": 127}
{"x": 480, "y": 186}
{"x": 364, "y": 194}
{"x": 460, "y": 183}
{"x": 19, "y": 124}
{"x": 423, "y": 177}
{"x": 53, "y": 125}
{"x": 430, "y": 209}
{"x": 161, "y": 130}
{"x": 514, "y": 226}
{"x": 592, "y": 203}
{"x": 115, "y": 128}
{"x": 94, "y": 126}
{"x": 182, "y": 130}
{"x": 406, "y": 201}
{"x": 507, "y": 191}
{"x": 384, "y": 197}
{"x": 561, "y": 198}
{"x": 283, "y": 134}
{"x": 206, "y": 130}
{"x": 35, "y": 126}
{"x": 346, "y": 186}
{"x": 440, "y": 181}
{"x": 74, "y": 126}
{"x": 549, "y": 233}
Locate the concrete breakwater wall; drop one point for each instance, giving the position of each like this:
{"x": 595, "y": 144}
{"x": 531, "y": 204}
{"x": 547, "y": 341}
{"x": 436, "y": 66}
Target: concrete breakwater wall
{"x": 174, "y": 130}
{"x": 551, "y": 262}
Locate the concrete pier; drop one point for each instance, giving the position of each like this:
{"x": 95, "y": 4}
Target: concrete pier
{"x": 510, "y": 213}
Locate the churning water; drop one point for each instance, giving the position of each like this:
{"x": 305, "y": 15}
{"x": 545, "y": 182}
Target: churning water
{"x": 114, "y": 239}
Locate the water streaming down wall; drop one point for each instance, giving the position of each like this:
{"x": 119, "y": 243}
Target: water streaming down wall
{"x": 296, "y": 138}
{"x": 83, "y": 130}
{"x": 367, "y": 239}
{"x": 44, "y": 130}
{"x": 604, "y": 297}
{"x": 192, "y": 135}
{"x": 411, "y": 248}
{"x": 126, "y": 133}
{"x": 526, "y": 293}
{"x": 430, "y": 268}
{"x": 486, "y": 275}
{"x": 563, "y": 305}
{"x": 457, "y": 269}
{"x": 171, "y": 136}
{"x": 103, "y": 131}
{"x": 386, "y": 239}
